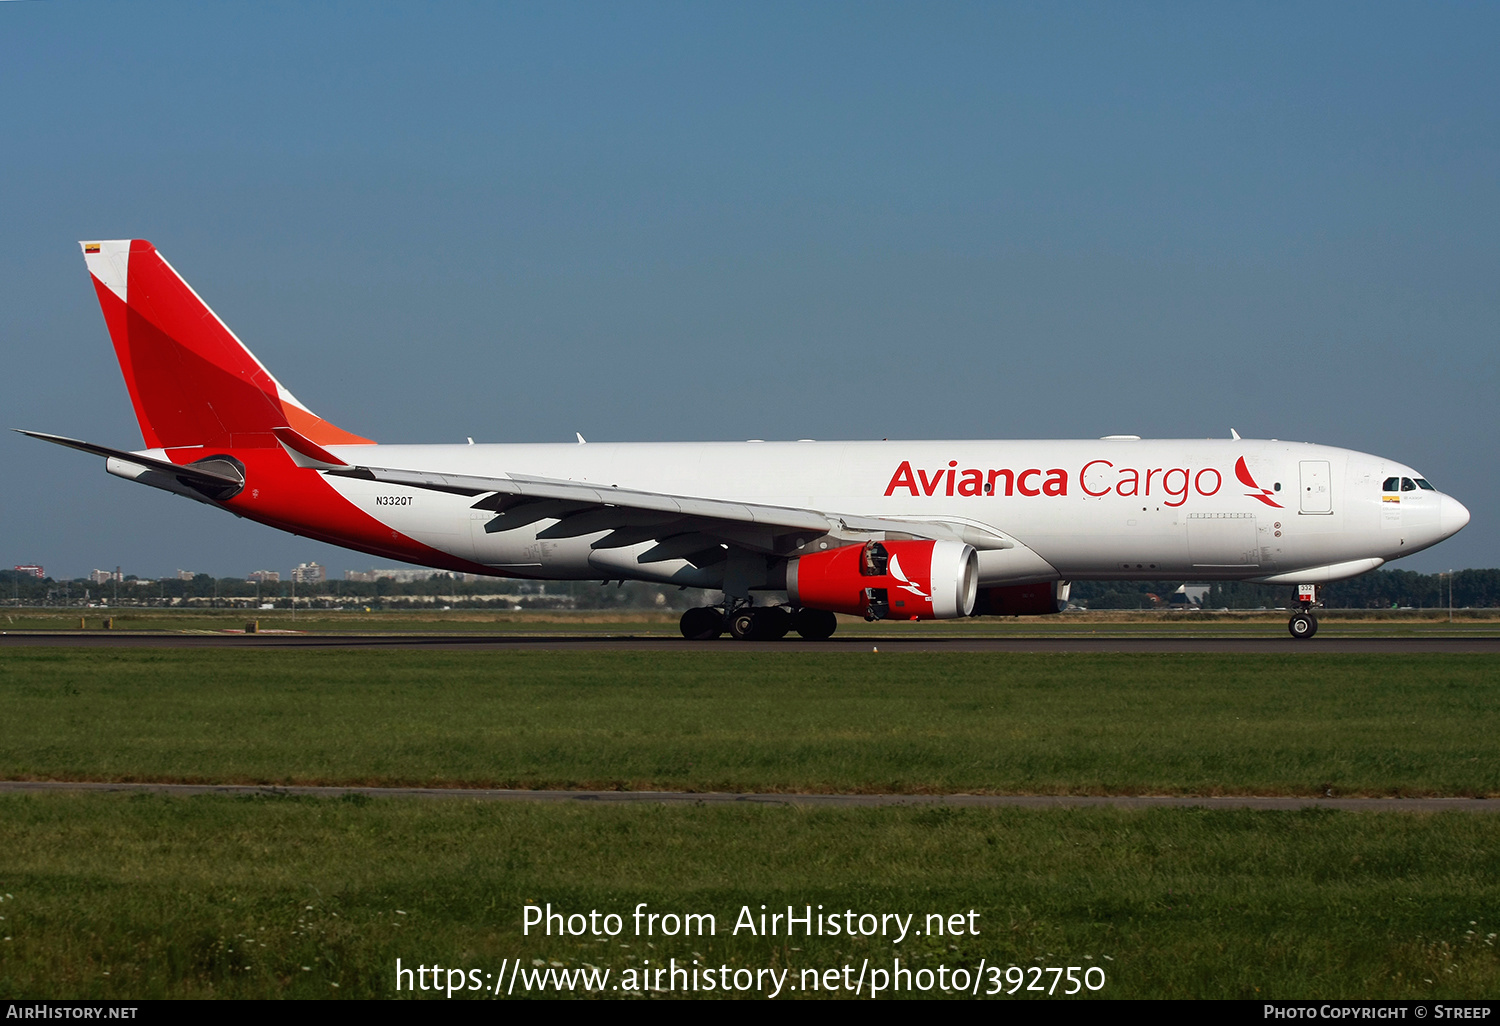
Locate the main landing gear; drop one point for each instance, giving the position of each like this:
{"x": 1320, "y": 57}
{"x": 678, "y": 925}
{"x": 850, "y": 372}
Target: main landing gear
{"x": 1303, "y": 623}
{"x": 757, "y": 623}
{"x": 702, "y": 623}
{"x": 767, "y": 623}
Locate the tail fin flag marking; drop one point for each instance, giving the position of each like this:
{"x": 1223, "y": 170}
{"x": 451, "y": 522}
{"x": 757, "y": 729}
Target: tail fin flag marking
{"x": 191, "y": 380}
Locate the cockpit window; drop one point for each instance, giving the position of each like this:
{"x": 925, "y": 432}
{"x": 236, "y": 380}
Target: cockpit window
{"x": 1422, "y": 483}
{"x": 1408, "y": 485}
{"x": 1391, "y": 484}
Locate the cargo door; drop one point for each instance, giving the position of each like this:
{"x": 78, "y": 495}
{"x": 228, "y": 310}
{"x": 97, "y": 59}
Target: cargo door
{"x": 1317, "y": 489}
{"x": 1223, "y": 541}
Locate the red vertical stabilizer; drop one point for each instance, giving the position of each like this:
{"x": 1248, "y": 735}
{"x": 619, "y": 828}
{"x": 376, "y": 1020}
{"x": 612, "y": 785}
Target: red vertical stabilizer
{"x": 192, "y": 382}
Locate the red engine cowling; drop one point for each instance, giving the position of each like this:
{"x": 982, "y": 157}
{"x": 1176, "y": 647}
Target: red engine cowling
{"x": 897, "y": 580}
{"x": 1037, "y": 599}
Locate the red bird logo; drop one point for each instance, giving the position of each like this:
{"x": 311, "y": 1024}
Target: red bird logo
{"x": 1263, "y": 494}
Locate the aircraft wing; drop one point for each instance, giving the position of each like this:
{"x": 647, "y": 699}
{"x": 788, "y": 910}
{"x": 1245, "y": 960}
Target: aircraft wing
{"x": 684, "y": 527}
{"x": 697, "y": 529}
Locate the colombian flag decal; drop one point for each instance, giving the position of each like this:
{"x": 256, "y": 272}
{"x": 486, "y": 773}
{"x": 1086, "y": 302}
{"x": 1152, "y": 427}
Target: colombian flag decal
{"x": 91, "y": 247}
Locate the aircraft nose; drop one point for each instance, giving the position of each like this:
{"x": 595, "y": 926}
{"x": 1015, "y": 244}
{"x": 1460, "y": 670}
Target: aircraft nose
{"x": 1452, "y": 516}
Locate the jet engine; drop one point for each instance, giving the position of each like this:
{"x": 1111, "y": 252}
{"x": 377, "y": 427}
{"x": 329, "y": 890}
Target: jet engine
{"x": 897, "y": 580}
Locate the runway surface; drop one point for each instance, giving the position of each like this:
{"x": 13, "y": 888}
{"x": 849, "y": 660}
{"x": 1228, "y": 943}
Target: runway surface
{"x": 826, "y": 800}
{"x": 1269, "y": 644}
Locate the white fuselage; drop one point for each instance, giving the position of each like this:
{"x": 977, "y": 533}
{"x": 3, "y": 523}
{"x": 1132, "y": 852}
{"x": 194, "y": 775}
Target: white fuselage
{"x": 1071, "y": 510}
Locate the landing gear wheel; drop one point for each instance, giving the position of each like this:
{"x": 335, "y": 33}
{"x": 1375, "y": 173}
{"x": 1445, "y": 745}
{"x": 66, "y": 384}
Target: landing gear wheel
{"x": 814, "y": 624}
{"x": 745, "y": 625}
{"x": 702, "y": 623}
{"x": 1302, "y": 625}
{"x": 772, "y": 623}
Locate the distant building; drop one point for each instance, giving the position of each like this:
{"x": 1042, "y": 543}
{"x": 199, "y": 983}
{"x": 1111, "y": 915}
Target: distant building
{"x": 264, "y": 577}
{"x": 1188, "y": 597}
{"x": 404, "y": 576}
{"x": 32, "y": 569}
{"x": 105, "y": 576}
{"x": 309, "y": 573}
{"x": 185, "y": 575}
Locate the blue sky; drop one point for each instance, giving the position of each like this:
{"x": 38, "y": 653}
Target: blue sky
{"x": 719, "y": 221}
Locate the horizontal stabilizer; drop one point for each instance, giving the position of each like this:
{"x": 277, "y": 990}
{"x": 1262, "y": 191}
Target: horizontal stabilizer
{"x": 216, "y": 478}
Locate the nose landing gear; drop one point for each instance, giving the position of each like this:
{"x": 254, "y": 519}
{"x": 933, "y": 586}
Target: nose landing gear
{"x": 1303, "y": 623}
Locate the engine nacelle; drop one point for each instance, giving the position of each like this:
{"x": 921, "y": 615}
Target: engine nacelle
{"x": 1037, "y": 599}
{"x": 897, "y": 580}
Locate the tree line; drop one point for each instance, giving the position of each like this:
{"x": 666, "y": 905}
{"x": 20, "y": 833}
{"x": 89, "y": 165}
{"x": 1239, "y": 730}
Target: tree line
{"x": 25, "y": 590}
{"x": 1382, "y": 589}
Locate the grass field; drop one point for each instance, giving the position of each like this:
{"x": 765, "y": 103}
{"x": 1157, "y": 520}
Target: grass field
{"x": 757, "y": 721}
{"x": 140, "y": 896}
{"x": 145, "y": 896}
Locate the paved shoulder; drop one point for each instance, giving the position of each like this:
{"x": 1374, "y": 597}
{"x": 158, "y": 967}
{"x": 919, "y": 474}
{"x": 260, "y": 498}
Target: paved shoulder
{"x": 829, "y": 800}
{"x": 1268, "y": 645}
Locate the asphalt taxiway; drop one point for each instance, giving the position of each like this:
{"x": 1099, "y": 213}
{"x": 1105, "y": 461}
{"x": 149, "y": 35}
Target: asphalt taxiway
{"x": 1268, "y": 644}
{"x": 723, "y": 798}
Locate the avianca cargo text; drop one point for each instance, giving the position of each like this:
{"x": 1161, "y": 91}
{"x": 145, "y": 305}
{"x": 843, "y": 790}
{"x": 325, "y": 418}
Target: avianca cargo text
{"x": 1097, "y": 478}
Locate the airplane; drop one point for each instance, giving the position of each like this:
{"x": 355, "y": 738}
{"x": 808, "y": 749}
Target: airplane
{"x": 901, "y": 530}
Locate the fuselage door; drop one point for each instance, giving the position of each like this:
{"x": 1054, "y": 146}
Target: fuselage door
{"x": 1317, "y": 492}
{"x": 1223, "y": 541}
